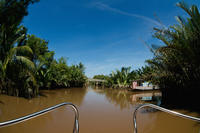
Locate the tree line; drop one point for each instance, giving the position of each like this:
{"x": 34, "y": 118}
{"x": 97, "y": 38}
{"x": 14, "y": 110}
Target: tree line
{"x": 26, "y": 63}
{"x": 123, "y": 78}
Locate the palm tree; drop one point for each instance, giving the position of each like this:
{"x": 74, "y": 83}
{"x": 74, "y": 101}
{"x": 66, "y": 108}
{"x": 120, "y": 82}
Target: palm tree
{"x": 179, "y": 57}
{"x": 13, "y": 53}
{"x": 176, "y": 66}
{"x": 120, "y": 78}
{"x": 17, "y": 57}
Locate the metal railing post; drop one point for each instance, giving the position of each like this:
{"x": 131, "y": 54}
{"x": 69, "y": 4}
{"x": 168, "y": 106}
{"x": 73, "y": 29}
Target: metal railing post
{"x": 36, "y": 114}
{"x": 160, "y": 109}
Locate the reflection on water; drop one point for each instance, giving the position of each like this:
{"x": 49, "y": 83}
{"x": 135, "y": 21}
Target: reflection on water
{"x": 14, "y": 107}
{"x": 121, "y": 98}
{"x": 101, "y": 111}
{"x": 149, "y": 96}
{"x": 127, "y": 99}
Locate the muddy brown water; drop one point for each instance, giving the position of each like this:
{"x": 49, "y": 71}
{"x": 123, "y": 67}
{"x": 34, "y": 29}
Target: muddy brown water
{"x": 101, "y": 111}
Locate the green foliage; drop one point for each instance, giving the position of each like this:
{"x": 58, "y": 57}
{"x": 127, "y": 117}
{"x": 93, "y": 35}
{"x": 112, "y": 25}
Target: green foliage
{"x": 77, "y": 75}
{"x": 176, "y": 63}
{"x": 42, "y": 59}
{"x": 124, "y": 77}
{"x": 121, "y": 78}
{"x": 40, "y": 49}
{"x": 102, "y": 77}
{"x": 51, "y": 73}
{"x": 26, "y": 64}
{"x": 12, "y": 13}
{"x": 61, "y": 75}
{"x": 17, "y": 70}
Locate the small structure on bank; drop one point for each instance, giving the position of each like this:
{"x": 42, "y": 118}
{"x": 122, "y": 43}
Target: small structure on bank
{"x": 97, "y": 82}
{"x": 143, "y": 85}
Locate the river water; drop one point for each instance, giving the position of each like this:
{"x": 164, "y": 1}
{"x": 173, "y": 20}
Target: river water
{"x": 101, "y": 111}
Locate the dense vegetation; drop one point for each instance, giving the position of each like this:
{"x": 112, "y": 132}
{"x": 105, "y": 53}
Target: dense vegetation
{"x": 26, "y": 63}
{"x": 176, "y": 63}
{"x": 124, "y": 77}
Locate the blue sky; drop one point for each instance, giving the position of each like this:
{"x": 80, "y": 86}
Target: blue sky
{"x": 103, "y": 34}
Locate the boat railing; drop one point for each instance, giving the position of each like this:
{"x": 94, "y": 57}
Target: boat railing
{"x": 160, "y": 109}
{"x": 36, "y": 114}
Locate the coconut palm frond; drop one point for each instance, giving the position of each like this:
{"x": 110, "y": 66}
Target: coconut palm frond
{"x": 23, "y": 50}
{"x": 25, "y": 62}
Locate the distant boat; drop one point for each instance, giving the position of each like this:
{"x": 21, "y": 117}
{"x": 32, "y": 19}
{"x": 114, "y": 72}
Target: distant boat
{"x": 143, "y": 86}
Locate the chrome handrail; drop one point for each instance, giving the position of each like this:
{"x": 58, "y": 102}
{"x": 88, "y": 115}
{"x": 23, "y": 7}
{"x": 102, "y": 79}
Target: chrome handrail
{"x": 22, "y": 119}
{"x": 161, "y": 109}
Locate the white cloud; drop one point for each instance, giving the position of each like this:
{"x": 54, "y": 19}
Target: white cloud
{"x": 103, "y": 6}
